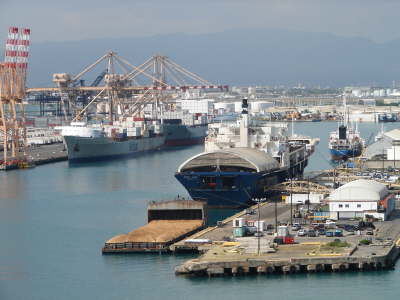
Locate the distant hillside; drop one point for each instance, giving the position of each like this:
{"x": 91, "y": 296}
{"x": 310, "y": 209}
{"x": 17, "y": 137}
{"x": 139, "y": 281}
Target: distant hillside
{"x": 237, "y": 57}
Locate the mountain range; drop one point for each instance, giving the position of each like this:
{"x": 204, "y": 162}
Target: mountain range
{"x": 236, "y": 57}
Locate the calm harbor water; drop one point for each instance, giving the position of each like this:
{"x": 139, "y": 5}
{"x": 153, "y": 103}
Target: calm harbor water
{"x": 55, "y": 218}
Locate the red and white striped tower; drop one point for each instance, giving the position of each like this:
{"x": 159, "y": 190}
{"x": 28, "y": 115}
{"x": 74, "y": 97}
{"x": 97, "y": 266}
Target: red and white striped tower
{"x": 11, "y": 48}
{"x": 12, "y": 92}
{"x": 23, "y": 49}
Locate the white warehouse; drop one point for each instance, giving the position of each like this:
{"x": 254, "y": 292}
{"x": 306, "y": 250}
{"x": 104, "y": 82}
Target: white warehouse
{"x": 360, "y": 198}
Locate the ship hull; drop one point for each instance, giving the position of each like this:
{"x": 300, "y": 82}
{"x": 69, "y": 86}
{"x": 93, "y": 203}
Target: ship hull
{"x": 182, "y": 135}
{"x": 82, "y": 149}
{"x": 243, "y": 187}
{"x": 337, "y": 154}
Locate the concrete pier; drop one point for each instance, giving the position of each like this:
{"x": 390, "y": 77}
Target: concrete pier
{"x": 210, "y": 268}
{"x": 313, "y": 255}
{"x": 42, "y": 154}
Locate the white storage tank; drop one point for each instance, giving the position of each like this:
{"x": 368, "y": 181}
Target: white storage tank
{"x": 226, "y": 106}
{"x": 259, "y": 106}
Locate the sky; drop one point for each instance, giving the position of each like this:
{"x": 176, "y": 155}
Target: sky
{"x": 54, "y": 20}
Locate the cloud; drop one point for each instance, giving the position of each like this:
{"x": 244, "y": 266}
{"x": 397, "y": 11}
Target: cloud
{"x": 79, "y": 19}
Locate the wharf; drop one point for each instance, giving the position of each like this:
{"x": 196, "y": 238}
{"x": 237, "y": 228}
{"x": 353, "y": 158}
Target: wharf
{"x": 342, "y": 176}
{"x": 40, "y": 155}
{"x": 308, "y": 255}
{"x": 45, "y": 154}
{"x": 202, "y": 240}
{"x": 168, "y": 222}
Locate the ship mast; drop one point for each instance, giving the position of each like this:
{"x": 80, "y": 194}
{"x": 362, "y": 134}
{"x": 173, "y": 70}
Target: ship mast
{"x": 345, "y": 115}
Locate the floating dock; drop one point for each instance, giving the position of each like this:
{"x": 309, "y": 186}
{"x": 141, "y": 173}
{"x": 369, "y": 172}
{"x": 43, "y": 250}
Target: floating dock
{"x": 168, "y": 222}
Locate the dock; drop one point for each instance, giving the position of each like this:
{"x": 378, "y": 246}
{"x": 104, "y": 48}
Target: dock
{"x": 202, "y": 240}
{"x": 308, "y": 254}
{"x": 45, "y": 154}
{"x": 168, "y": 222}
{"x": 39, "y": 155}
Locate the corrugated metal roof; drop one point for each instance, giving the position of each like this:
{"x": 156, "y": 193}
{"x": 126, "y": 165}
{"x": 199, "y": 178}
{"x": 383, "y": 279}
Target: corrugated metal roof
{"x": 393, "y": 134}
{"x": 360, "y": 190}
{"x": 378, "y": 148}
{"x": 239, "y": 157}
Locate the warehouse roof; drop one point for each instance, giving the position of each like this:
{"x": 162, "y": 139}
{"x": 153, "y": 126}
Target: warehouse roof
{"x": 381, "y": 146}
{"x": 238, "y": 157}
{"x": 393, "y": 134}
{"x": 377, "y": 148}
{"x": 360, "y": 190}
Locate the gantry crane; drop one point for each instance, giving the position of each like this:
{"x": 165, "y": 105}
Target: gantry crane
{"x": 128, "y": 90}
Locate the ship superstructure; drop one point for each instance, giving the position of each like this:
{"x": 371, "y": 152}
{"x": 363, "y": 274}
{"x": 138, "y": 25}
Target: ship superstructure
{"x": 242, "y": 159}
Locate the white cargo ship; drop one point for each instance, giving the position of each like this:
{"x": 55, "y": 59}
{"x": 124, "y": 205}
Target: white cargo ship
{"x": 130, "y": 136}
{"x": 97, "y": 142}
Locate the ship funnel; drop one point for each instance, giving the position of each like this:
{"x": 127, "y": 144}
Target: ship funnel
{"x": 245, "y": 106}
{"x": 342, "y": 132}
{"x": 244, "y": 124}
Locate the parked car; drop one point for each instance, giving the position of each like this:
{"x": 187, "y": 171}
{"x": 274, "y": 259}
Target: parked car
{"x": 330, "y": 233}
{"x": 270, "y": 227}
{"x": 302, "y": 232}
{"x": 338, "y": 232}
{"x": 312, "y": 233}
{"x": 369, "y": 232}
{"x": 321, "y": 231}
{"x": 349, "y": 228}
{"x": 296, "y": 227}
{"x": 330, "y": 224}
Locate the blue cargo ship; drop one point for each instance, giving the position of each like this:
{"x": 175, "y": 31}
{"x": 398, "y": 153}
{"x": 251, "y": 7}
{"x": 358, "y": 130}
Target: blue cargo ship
{"x": 232, "y": 177}
{"x": 242, "y": 160}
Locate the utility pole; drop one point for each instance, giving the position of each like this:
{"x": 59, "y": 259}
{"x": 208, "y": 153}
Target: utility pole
{"x": 258, "y": 226}
{"x": 394, "y": 154}
{"x": 276, "y": 215}
{"x": 383, "y": 158}
{"x": 291, "y": 200}
{"x": 308, "y": 194}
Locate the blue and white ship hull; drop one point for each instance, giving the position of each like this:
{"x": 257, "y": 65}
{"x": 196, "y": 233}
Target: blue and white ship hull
{"x": 245, "y": 187}
{"x": 343, "y": 154}
{"x": 233, "y": 177}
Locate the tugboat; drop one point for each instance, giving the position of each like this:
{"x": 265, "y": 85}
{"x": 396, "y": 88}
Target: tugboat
{"x": 242, "y": 159}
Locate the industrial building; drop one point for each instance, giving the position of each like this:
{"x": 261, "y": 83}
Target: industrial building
{"x": 387, "y": 145}
{"x": 360, "y": 198}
